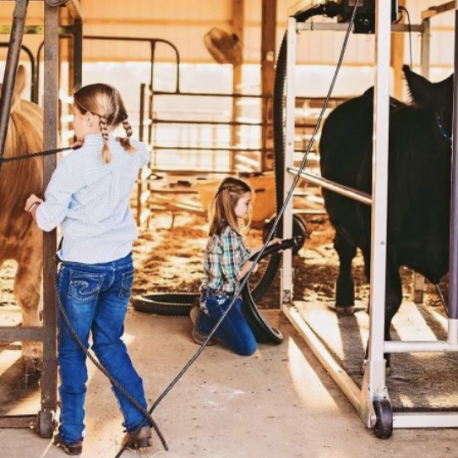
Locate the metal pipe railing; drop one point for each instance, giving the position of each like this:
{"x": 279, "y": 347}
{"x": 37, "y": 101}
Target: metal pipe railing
{"x": 331, "y": 186}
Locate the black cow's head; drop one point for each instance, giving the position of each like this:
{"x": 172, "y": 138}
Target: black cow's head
{"x": 437, "y": 97}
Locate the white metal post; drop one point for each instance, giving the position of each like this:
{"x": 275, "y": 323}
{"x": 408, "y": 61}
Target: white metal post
{"x": 452, "y": 337}
{"x": 287, "y": 271}
{"x": 374, "y": 377}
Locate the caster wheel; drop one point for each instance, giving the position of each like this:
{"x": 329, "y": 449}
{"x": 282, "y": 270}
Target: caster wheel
{"x": 383, "y": 428}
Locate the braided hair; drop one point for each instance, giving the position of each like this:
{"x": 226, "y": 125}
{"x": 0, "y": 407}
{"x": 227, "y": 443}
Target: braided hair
{"x": 105, "y": 102}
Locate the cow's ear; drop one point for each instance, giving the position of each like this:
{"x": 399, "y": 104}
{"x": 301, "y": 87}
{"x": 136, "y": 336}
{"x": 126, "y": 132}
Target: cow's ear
{"x": 433, "y": 96}
{"x": 420, "y": 89}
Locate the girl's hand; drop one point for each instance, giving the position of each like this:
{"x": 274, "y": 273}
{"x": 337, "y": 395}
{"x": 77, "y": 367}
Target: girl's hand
{"x": 77, "y": 145}
{"x": 272, "y": 242}
{"x": 32, "y": 202}
{"x": 245, "y": 268}
{"x": 32, "y": 205}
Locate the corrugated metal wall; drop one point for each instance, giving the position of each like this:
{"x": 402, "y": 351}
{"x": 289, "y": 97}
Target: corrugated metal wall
{"x": 185, "y": 22}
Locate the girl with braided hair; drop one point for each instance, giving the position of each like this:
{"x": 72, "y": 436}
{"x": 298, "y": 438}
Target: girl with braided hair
{"x": 89, "y": 196}
{"x": 226, "y": 263}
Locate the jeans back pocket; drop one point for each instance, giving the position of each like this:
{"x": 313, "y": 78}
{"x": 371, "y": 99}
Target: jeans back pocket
{"x": 126, "y": 284}
{"x": 85, "y": 286}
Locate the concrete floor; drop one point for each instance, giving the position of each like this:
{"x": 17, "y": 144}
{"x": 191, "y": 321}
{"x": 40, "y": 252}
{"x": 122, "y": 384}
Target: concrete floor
{"x": 280, "y": 403}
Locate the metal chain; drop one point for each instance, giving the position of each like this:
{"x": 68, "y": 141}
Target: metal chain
{"x": 104, "y": 371}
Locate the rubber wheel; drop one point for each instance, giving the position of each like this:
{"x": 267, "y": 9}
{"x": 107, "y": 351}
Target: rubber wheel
{"x": 171, "y": 304}
{"x": 383, "y": 428}
{"x": 299, "y": 229}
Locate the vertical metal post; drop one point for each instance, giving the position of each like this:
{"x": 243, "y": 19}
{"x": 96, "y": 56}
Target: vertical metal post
{"x": 418, "y": 288}
{"x": 77, "y": 55}
{"x": 287, "y": 272}
{"x": 374, "y": 377}
{"x": 425, "y": 48}
{"x": 141, "y": 138}
{"x": 12, "y": 62}
{"x": 141, "y": 124}
{"x": 418, "y": 279}
{"x": 151, "y": 92}
{"x": 268, "y": 36}
{"x": 49, "y": 375}
{"x": 453, "y": 275}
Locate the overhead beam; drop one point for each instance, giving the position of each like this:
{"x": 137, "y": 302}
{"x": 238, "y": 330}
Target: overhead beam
{"x": 435, "y": 10}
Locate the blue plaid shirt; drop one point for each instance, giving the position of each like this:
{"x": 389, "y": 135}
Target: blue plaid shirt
{"x": 225, "y": 255}
{"x": 91, "y": 201}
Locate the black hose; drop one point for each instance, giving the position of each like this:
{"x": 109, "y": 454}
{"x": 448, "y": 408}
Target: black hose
{"x": 261, "y": 328}
{"x": 279, "y": 165}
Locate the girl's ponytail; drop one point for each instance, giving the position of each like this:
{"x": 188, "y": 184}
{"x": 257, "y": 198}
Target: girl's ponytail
{"x": 106, "y": 155}
{"x": 125, "y": 142}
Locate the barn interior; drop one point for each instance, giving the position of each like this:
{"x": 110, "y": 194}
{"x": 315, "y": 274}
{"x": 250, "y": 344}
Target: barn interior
{"x": 198, "y": 80}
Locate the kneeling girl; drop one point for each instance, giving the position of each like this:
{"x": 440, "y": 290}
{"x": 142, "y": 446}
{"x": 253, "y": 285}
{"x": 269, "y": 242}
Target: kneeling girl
{"x": 226, "y": 263}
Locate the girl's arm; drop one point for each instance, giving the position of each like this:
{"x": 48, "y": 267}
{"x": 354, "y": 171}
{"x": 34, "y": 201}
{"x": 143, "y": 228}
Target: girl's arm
{"x": 272, "y": 242}
{"x": 245, "y": 268}
{"x": 52, "y": 210}
{"x": 247, "y": 265}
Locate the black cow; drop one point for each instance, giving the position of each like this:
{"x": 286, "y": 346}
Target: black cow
{"x": 418, "y": 190}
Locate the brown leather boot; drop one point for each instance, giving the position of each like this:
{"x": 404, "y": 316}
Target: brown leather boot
{"x": 75, "y": 448}
{"x": 141, "y": 440}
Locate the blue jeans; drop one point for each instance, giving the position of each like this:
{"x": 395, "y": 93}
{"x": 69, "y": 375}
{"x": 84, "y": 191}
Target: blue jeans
{"x": 234, "y": 331}
{"x": 95, "y": 298}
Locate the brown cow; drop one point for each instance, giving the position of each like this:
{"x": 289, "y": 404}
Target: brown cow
{"x": 20, "y": 238}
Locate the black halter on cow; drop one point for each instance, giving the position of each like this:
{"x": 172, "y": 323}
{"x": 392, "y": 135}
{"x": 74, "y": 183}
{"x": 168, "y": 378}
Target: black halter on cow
{"x": 418, "y": 186}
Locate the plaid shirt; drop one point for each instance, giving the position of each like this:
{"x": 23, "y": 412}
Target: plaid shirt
{"x": 225, "y": 255}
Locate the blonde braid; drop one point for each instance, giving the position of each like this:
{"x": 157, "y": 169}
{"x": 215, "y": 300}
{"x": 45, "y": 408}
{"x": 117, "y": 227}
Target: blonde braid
{"x": 106, "y": 156}
{"x": 125, "y": 142}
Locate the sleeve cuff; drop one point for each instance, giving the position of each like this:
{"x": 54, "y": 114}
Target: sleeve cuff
{"x": 146, "y": 155}
{"x": 41, "y": 220}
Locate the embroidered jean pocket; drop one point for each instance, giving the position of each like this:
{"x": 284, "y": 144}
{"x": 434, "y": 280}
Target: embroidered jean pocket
{"x": 84, "y": 286}
{"x": 126, "y": 284}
